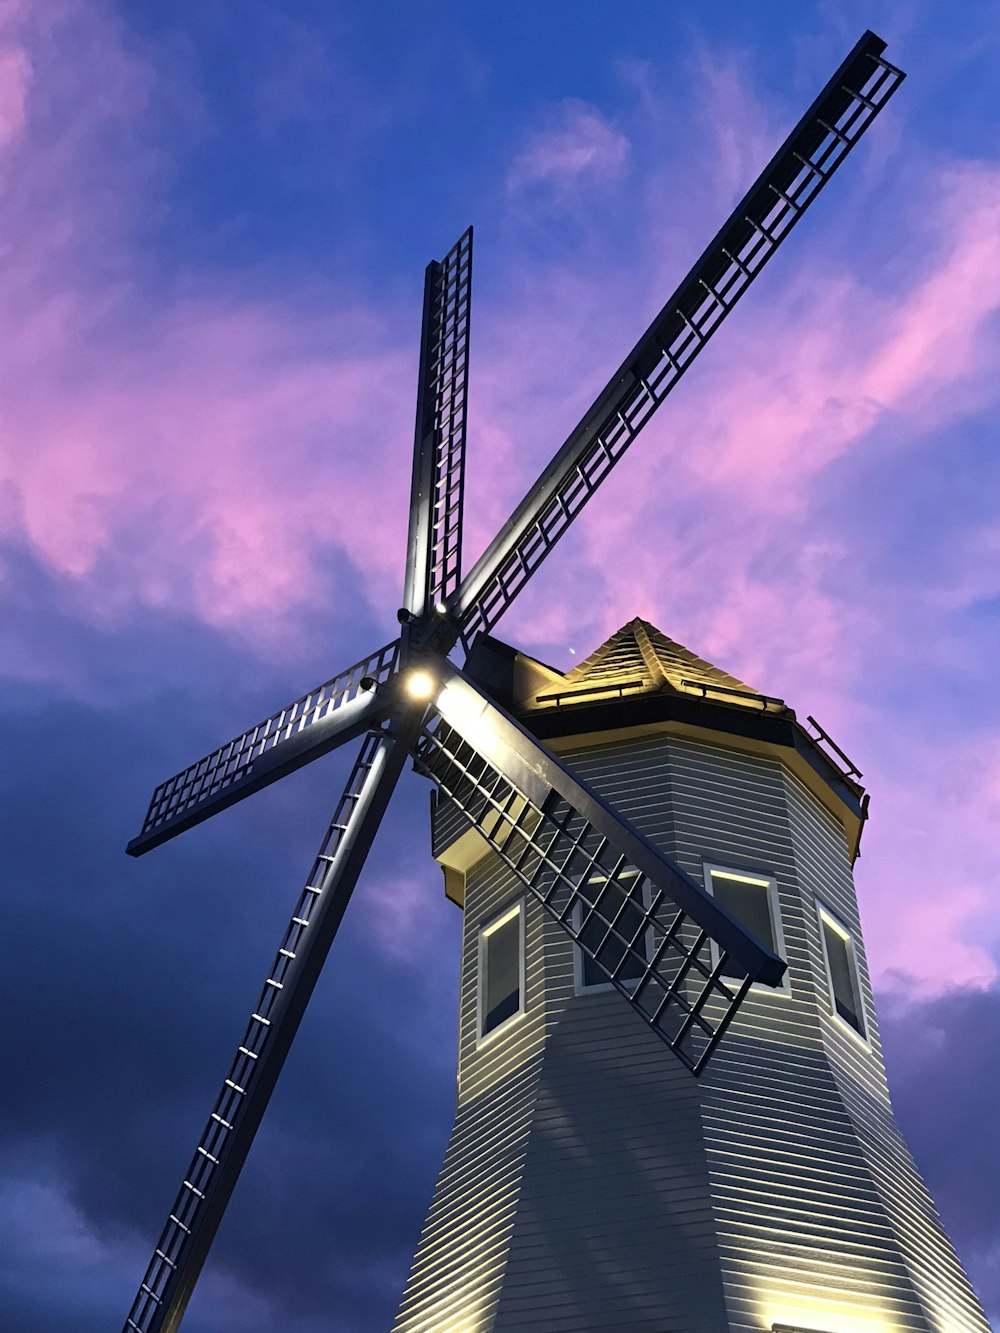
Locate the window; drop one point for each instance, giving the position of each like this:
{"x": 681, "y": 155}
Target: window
{"x": 752, "y": 900}
{"x": 612, "y": 931}
{"x": 841, "y": 971}
{"x": 501, "y": 970}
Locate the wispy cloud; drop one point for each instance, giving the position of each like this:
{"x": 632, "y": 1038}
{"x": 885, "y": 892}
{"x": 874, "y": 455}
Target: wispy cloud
{"x": 575, "y": 149}
{"x": 736, "y": 524}
{"x": 202, "y": 458}
{"x": 235, "y": 449}
{"x": 15, "y": 75}
{"x": 739, "y": 132}
{"x": 180, "y": 445}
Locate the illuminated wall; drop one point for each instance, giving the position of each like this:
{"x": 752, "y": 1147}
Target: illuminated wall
{"x": 591, "y": 1184}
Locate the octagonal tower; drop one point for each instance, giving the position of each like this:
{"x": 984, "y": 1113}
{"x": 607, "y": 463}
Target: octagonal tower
{"x": 591, "y": 1182}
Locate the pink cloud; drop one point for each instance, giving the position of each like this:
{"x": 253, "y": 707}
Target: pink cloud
{"x": 205, "y": 446}
{"x": 729, "y": 474}
{"x": 936, "y": 335}
{"x": 931, "y": 861}
{"x": 716, "y": 530}
{"x": 577, "y": 147}
{"x": 196, "y": 447}
{"x": 221, "y": 450}
{"x": 15, "y": 75}
{"x": 820, "y": 367}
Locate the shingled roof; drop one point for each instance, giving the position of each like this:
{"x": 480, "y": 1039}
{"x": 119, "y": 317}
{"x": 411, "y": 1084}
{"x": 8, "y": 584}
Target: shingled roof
{"x": 641, "y": 678}
{"x": 639, "y": 651}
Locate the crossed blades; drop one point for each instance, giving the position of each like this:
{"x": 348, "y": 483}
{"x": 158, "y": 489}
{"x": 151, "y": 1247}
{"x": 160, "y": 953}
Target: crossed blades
{"x": 631, "y": 908}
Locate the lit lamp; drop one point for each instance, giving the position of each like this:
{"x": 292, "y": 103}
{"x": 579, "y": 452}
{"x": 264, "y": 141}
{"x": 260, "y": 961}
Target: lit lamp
{"x": 420, "y": 684}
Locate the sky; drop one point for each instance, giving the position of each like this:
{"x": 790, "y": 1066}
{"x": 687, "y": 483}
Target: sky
{"x": 214, "y": 227}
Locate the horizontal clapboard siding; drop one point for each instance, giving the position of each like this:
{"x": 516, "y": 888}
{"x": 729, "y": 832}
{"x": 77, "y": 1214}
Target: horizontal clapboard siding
{"x": 592, "y": 1185}
{"x": 797, "y": 1216}
{"x": 456, "y": 1276}
{"x": 447, "y": 823}
{"x": 615, "y": 1228}
{"x": 933, "y": 1267}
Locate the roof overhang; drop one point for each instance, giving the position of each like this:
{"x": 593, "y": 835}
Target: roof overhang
{"x": 516, "y": 681}
{"x": 776, "y": 736}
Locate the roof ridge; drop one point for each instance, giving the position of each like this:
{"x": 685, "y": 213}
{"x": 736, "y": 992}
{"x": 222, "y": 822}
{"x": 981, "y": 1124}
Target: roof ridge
{"x": 640, "y": 648}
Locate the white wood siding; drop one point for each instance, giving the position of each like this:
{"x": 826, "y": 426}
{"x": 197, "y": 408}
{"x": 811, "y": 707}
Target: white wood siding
{"x": 926, "y": 1251}
{"x": 593, "y": 1185}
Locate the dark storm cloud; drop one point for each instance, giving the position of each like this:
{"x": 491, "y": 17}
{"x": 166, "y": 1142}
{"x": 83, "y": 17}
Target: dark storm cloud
{"x": 944, "y": 1073}
{"x": 126, "y": 986}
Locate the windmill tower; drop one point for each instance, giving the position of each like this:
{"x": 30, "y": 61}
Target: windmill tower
{"x": 591, "y": 1185}
{"x": 559, "y": 883}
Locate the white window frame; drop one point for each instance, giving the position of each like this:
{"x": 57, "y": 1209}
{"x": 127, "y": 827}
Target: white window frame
{"x": 485, "y": 930}
{"x": 828, "y": 918}
{"x": 768, "y": 882}
{"x": 599, "y": 987}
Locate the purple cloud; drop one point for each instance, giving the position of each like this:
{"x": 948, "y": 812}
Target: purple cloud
{"x": 576, "y": 148}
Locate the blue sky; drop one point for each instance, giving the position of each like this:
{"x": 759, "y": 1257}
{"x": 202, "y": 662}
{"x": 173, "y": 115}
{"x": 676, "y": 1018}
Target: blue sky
{"x": 215, "y": 224}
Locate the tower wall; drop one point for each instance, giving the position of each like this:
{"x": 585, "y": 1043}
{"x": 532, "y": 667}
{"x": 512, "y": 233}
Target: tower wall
{"x": 926, "y": 1252}
{"x": 458, "y": 1271}
{"x": 592, "y": 1184}
{"x": 615, "y": 1229}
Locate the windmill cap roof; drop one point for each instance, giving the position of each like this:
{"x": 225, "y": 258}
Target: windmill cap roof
{"x": 641, "y": 651}
{"x": 637, "y": 659}
{"x": 640, "y": 678}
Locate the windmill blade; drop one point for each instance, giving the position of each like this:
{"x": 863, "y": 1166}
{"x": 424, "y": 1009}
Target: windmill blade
{"x": 335, "y": 712}
{"x": 761, "y": 220}
{"x": 434, "y": 544}
{"x": 627, "y": 906}
{"x": 201, "y": 1201}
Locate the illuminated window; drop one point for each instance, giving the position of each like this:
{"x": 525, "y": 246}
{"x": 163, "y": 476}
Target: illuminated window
{"x": 610, "y": 919}
{"x": 841, "y": 971}
{"x": 501, "y": 969}
{"x": 752, "y": 900}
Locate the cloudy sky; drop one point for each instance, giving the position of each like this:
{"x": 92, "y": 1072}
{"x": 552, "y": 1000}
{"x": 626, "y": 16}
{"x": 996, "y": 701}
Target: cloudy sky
{"x": 214, "y": 224}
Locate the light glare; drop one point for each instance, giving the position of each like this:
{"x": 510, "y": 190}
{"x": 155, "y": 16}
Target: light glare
{"x": 420, "y": 684}
{"x": 463, "y": 708}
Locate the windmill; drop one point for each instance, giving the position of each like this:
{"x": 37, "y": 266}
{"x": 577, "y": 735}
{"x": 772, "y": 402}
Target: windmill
{"x": 548, "y": 827}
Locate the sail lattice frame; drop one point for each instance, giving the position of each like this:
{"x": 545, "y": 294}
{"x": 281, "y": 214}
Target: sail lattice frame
{"x": 651, "y": 950}
{"x": 434, "y": 544}
{"x": 293, "y": 736}
{"x": 752, "y": 234}
{"x": 449, "y": 391}
{"x": 229, "y": 1131}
